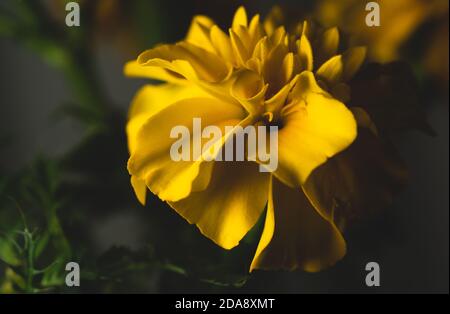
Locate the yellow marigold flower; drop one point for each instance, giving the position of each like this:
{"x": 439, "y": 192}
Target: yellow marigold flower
{"x": 255, "y": 74}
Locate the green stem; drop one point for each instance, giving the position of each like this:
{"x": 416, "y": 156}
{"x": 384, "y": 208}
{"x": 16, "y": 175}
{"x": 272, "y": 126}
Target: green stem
{"x": 30, "y": 261}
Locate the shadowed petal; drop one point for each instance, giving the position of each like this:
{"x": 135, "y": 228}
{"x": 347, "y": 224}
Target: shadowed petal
{"x": 357, "y": 182}
{"x": 295, "y": 236}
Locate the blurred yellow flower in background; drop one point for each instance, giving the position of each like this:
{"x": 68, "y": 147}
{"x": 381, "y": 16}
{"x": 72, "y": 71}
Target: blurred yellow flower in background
{"x": 260, "y": 74}
{"x": 400, "y": 21}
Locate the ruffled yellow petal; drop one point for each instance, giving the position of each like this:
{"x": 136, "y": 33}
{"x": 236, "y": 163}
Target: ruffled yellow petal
{"x": 187, "y": 60}
{"x": 230, "y": 205}
{"x": 133, "y": 127}
{"x": 295, "y": 236}
{"x": 134, "y": 69}
{"x": 249, "y": 89}
{"x": 148, "y": 101}
{"x": 315, "y": 127}
{"x": 151, "y": 160}
{"x": 151, "y": 99}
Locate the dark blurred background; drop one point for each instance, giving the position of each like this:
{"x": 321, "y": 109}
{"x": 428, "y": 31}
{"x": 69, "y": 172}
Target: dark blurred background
{"x": 44, "y": 124}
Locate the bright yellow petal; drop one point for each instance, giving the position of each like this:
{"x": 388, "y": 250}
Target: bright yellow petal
{"x": 255, "y": 30}
{"x": 305, "y": 52}
{"x": 341, "y": 68}
{"x": 295, "y": 236}
{"x": 198, "y": 33}
{"x": 240, "y": 18}
{"x": 134, "y": 69}
{"x": 230, "y": 205}
{"x": 186, "y": 60}
{"x": 151, "y": 160}
{"x": 241, "y": 52}
{"x": 148, "y": 101}
{"x": 151, "y": 99}
{"x": 222, "y": 44}
{"x": 331, "y": 71}
{"x": 315, "y": 127}
{"x": 140, "y": 189}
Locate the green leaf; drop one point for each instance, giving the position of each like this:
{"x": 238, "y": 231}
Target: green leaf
{"x": 9, "y": 250}
{"x": 54, "y": 275}
{"x": 41, "y": 244}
